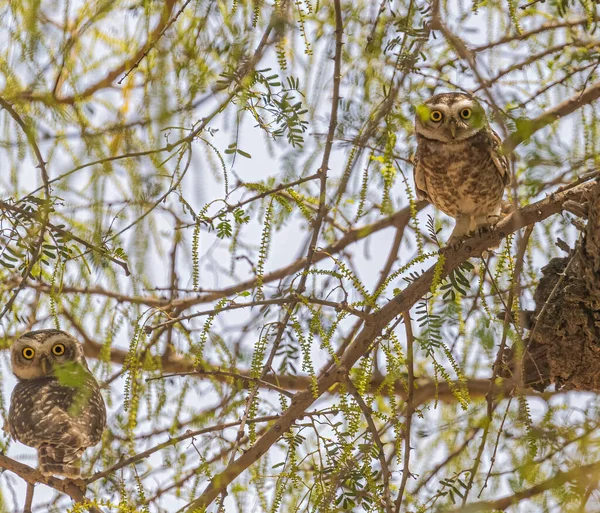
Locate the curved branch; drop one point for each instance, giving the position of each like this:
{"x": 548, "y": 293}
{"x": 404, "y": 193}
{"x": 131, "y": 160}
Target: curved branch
{"x": 32, "y": 476}
{"x": 374, "y": 326}
{"x": 68, "y": 235}
{"x": 44, "y": 210}
{"x": 156, "y": 34}
{"x": 584, "y": 474}
{"x": 528, "y": 128}
{"x": 398, "y": 219}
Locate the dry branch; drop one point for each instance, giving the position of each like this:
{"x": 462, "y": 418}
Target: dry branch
{"x": 32, "y": 476}
{"x": 583, "y": 474}
{"x": 112, "y": 75}
{"x": 375, "y": 325}
{"x": 526, "y": 129}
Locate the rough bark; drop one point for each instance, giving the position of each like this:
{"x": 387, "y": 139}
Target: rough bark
{"x": 563, "y": 346}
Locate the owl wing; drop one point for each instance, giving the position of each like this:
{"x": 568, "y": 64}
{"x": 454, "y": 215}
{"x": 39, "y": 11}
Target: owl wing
{"x": 57, "y": 415}
{"x": 419, "y": 177}
{"x": 38, "y": 413}
{"x": 500, "y": 160}
{"x": 58, "y": 428}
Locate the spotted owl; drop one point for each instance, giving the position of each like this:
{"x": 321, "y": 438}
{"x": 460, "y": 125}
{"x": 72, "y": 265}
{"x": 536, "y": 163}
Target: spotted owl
{"x": 56, "y": 405}
{"x": 459, "y": 167}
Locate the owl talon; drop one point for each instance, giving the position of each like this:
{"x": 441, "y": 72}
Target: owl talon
{"x": 79, "y": 483}
{"x": 455, "y": 243}
{"x": 482, "y": 230}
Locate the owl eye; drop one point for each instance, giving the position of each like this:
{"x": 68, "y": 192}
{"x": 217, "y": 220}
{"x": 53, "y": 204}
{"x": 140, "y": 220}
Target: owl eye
{"x": 58, "y": 349}
{"x": 28, "y": 353}
{"x": 436, "y": 115}
{"x": 465, "y": 113}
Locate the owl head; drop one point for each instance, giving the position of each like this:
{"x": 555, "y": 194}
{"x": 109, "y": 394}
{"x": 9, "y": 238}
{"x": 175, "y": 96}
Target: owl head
{"x": 37, "y": 354}
{"x": 450, "y": 117}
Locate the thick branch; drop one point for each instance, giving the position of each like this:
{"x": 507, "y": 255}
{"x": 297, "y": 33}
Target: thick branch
{"x": 584, "y": 474}
{"x": 375, "y": 325}
{"x": 528, "y": 128}
{"x": 32, "y": 476}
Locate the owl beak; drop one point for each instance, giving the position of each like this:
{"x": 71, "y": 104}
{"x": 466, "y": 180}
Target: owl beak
{"x": 45, "y": 365}
{"x": 453, "y": 128}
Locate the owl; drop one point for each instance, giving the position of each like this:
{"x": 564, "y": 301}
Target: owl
{"x": 459, "y": 166}
{"x": 56, "y": 405}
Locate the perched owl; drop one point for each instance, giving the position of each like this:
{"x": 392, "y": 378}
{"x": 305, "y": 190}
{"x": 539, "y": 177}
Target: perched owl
{"x": 56, "y": 405}
{"x": 459, "y": 167}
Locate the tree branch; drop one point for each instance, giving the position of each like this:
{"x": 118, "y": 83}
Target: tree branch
{"x": 584, "y": 474}
{"x": 107, "y": 81}
{"x": 377, "y": 322}
{"x": 68, "y": 235}
{"x": 528, "y": 128}
{"x": 32, "y": 476}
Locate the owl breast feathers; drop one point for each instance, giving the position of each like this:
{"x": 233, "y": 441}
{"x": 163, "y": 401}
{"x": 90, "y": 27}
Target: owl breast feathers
{"x": 459, "y": 167}
{"x": 56, "y": 406}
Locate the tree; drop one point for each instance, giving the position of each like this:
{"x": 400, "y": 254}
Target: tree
{"x": 216, "y": 198}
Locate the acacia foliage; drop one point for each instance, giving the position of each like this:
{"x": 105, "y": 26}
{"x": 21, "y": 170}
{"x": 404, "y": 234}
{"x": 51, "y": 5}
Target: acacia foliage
{"x": 216, "y": 197}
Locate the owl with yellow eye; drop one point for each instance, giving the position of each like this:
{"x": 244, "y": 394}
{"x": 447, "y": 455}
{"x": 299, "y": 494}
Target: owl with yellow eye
{"x": 459, "y": 166}
{"x": 56, "y": 405}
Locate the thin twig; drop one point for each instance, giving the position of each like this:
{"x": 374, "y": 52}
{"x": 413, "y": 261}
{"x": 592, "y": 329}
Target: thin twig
{"x": 409, "y": 407}
{"x": 448, "y": 458}
{"x": 385, "y": 471}
{"x": 68, "y": 235}
{"x": 29, "y": 498}
{"x": 352, "y": 236}
{"x": 376, "y": 22}
{"x": 151, "y": 43}
{"x": 228, "y": 374}
{"x": 493, "y": 457}
{"x": 274, "y": 190}
{"x": 44, "y": 209}
{"x": 508, "y": 317}
{"x": 174, "y": 441}
{"x": 295, "y": 299}
{"x": 583, "y": 474}
{"x": 530, "y": 60}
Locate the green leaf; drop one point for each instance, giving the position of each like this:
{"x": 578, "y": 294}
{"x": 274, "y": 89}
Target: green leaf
{"x": 71, "y": 374}
{"x": 224, "y": 229}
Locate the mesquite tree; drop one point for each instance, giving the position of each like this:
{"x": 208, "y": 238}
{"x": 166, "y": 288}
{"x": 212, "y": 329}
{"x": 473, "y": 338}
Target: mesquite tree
{"x": 216, "y": 198}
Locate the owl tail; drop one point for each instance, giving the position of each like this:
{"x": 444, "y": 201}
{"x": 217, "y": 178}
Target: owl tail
{"x": 54, "y": 461}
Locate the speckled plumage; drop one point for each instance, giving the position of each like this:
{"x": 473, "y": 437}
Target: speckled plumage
{"x": 458, "y": 164}
{"x": 60, "y": 421}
